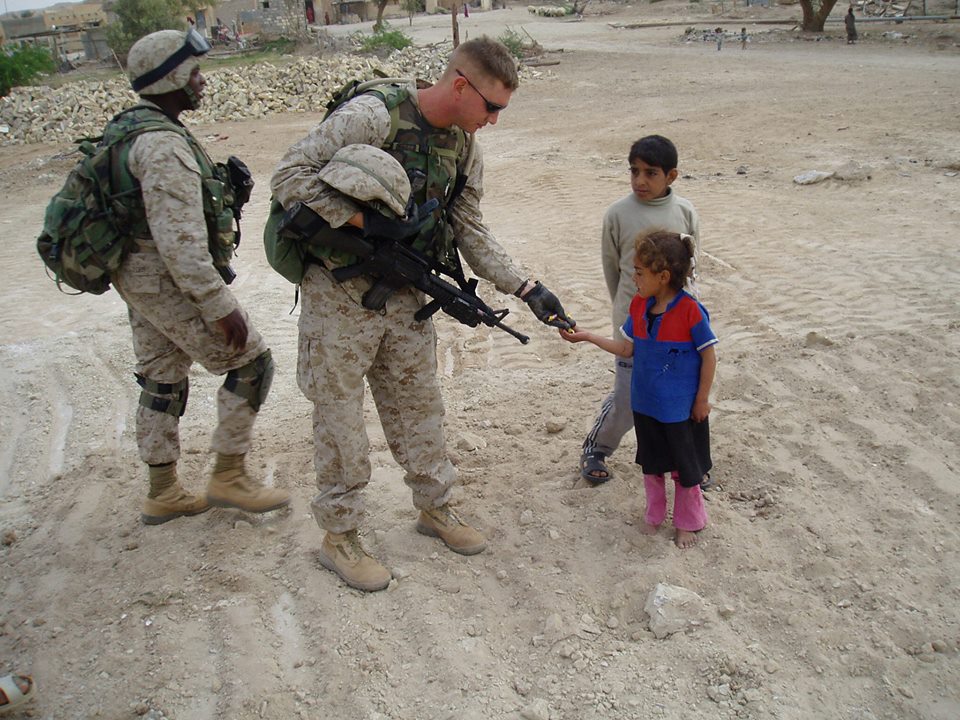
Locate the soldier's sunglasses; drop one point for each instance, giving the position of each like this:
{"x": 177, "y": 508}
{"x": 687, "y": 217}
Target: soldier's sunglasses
{"x": 492, "y": 107}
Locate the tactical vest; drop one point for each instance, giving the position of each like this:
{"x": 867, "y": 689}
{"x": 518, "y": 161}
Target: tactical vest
{"x": 434, "y": 160}
{"x": 217, "y": 192}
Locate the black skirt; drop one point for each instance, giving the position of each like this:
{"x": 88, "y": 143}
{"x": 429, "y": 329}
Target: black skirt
{"x": 681, "y": 446}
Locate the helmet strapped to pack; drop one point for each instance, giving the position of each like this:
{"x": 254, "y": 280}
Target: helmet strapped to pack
{"x": 369, "y": 175}
{"x": 163, "y": 61}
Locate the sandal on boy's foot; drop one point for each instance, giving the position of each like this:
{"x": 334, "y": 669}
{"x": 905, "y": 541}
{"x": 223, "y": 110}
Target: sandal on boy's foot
{"x": 12, "y": 696}
{"x": 593, "y": 469}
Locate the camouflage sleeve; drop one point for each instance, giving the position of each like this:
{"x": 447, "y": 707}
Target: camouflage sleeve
{"x": 363, "y": 120}
{"x": 170, "y": 182}
{"x": 485, "y": 256}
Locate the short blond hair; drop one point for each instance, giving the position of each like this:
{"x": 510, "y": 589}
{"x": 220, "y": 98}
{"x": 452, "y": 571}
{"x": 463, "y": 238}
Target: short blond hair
{"x": 489, "y": 56}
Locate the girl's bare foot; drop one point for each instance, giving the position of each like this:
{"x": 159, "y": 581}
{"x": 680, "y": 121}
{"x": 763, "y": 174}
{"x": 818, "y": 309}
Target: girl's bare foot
{"x": 648, "y": 529}
{"x": 685, "y": 539}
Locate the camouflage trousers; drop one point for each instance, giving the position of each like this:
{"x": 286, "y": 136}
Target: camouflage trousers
{"x": 168, "y": 337}
{"x": 340, "y": 344}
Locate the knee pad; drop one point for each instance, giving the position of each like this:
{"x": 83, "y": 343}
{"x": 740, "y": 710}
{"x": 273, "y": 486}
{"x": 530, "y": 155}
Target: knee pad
{"x": 252, "y": 381}
{"x": 169, "y": 398}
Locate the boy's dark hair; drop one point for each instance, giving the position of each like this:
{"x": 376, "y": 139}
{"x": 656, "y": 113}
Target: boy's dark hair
{"x": 660, "y": 250}
{"x": 654, "y": 150}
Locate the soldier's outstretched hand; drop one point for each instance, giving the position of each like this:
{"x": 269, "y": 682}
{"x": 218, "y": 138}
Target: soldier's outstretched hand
{"x": 547, "y": 307}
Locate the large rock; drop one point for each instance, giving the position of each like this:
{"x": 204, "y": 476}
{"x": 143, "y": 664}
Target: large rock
{"x": 674, "y": 609}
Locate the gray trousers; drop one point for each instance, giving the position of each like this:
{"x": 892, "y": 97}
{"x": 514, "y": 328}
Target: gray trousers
{"x": 616, "y": 415}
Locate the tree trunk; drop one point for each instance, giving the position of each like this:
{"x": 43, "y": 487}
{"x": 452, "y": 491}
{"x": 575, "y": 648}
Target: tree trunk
{"x": 381, "y": 6}
{"x": 814, "y": 19}
{"x": 456, "y": 26}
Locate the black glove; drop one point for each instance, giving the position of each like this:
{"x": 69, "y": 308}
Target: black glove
{"x": 547, "y": 307}
{"x": 380, "y": 226}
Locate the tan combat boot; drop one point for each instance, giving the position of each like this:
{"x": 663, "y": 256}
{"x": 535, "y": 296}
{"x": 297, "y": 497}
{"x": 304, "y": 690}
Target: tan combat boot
{"x": 231, "y": 487}
{"x": 343, "y": 554}
{"x": 167, "y": 499}
{"x": 444, "y": 523}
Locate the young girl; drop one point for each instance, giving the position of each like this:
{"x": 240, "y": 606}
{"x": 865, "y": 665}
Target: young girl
{"x": 669, "y": 337}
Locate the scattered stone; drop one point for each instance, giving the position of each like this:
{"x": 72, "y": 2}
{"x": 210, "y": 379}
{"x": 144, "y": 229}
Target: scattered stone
{"x": 814, "y": 338}
{"x": 939, "y": 646}
{"x": 36, "y": 114}
{"x": 810, "y": 177}
{"x": 726, "y": 612}
{"x": 853, "y": 172}
{"x": 555, "y": 426}
{"x": 9, "y": 538}
{"x": 906, "y": 692}
{"x": 771, "y": 667}
{"x": 526, "y": 517}
{"x": 673, "y": 609}
{"x": 537, "y": 710}
{"x": 553, "y": 534}
{"x": 468, "y": 442}
{"x": 522, "y": 686}
{"x": 742, "y": 170}
{"x": 613, "y": 622}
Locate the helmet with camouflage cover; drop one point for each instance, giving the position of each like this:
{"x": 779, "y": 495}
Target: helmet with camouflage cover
{"x": 369, "y": 175}
{"x": 163, "y": 61}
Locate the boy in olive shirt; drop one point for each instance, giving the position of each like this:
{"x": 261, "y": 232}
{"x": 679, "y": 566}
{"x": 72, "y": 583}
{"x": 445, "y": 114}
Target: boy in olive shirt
{"x": 652, "y": 204}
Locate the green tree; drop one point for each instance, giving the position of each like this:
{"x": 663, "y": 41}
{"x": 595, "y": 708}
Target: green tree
{"x": 21, "y": 65}
{"x": 136, "y": 18}
{"x": 815, "y": 14}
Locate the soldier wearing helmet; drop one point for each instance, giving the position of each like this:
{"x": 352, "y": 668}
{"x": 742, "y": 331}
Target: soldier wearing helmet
{"x": 429, "y": 130}
{"x": 173, "y": 282}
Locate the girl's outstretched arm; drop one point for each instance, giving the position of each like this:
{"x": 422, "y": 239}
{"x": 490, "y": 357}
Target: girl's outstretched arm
{"x": 708, "y": 370}
{"x": 621, "y": 347}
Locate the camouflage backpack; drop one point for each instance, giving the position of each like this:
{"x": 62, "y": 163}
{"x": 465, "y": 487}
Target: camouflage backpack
{"x": 89, "y": 225}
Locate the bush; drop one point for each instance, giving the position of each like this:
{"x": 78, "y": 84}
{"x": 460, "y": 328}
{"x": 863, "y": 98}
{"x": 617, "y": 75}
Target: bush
{"x": 21, "y": 65}
{"x": 513, "y": 42}
{"x": 385, "y": 38}
{"x": 136, "y": 18}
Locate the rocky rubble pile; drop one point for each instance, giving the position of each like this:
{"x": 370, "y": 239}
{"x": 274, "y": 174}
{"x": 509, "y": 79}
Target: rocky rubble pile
{"x": 55, "y": 115}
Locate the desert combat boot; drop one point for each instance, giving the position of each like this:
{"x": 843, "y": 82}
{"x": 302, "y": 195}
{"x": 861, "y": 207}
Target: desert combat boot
{"x": 231, "y": 487}
{"x": 343, "y": 554}
{"x": 167, "y": 499}
{"x": 444, "y": 523}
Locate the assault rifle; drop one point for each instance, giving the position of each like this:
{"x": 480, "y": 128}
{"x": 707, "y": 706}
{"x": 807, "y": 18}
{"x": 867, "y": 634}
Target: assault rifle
{"x": 395, "y": 265}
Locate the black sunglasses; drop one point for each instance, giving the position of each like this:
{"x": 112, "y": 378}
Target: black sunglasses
{"x": 492, "y": 107}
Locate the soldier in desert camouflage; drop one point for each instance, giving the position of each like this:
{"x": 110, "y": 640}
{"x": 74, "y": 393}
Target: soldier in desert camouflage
{"x": 429, "y": 130}
{"x": 180, "y": 310}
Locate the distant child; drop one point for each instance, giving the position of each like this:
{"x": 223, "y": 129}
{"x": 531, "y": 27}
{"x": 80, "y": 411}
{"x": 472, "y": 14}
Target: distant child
{"x": 743, "y": 38}
{"x": 668, "y": 335}
{"x": 652, "y": 204}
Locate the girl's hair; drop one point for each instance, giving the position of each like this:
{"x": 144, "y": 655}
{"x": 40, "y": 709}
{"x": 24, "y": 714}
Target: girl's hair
{"x": 660, "y": 250}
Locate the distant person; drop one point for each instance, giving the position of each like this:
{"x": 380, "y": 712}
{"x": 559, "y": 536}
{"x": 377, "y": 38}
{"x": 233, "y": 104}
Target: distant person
{"x": 15, "y": 692}
{"x": 669, "y": 338}
{"x": 718, "y": 34}
{"x": 650, "y": 204}
{"x": 850, "y": 23}
{"x": 743, "y": 38}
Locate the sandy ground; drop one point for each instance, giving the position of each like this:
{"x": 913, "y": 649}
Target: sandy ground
{"x": 829, "y": 569}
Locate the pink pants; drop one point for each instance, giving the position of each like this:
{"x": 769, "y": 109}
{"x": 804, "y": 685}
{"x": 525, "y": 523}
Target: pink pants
{"x": 689, "y": 512}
